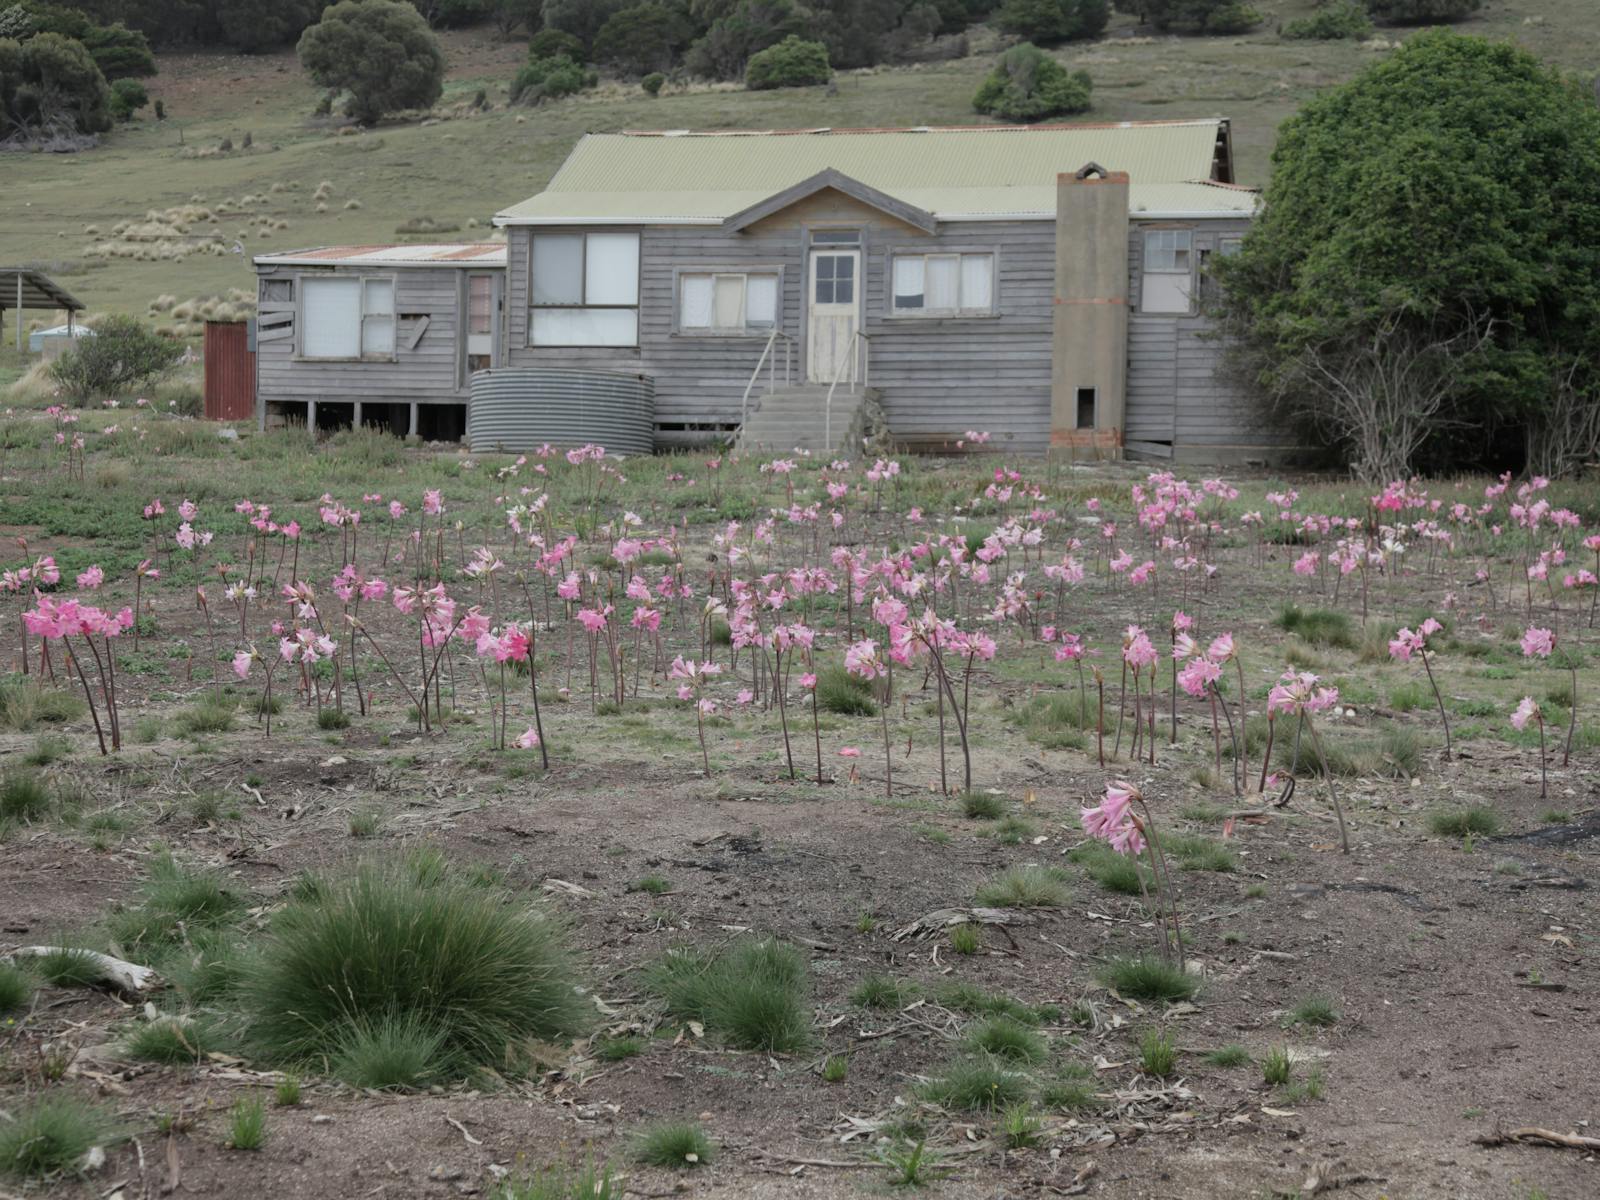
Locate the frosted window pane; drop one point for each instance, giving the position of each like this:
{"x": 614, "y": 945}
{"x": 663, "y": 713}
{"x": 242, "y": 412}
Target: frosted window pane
{"x": 729, "y": 302}
{"x": 1164, "y": 292}
{"x": 558, "y": 268}
{"x": 908, "y": 276}
{"x": 612, "y": 269}
{"x": 380, "y": 297}
{"x": 332, "y": 318}
{"x": 977, "y": 282}
{"x": 943, "y": 280}
{"x": 761, "y": 301}
{"x": 377, "y": 337}
{"x": 585, "y": 327}
{"x": 695, "y": 309}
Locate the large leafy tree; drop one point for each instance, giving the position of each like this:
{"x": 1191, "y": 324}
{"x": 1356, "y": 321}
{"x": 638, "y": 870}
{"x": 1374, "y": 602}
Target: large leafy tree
{"x": 1429, "y": 246}
{"x": 50, "y": 85}
{"x": 381, "y": 51}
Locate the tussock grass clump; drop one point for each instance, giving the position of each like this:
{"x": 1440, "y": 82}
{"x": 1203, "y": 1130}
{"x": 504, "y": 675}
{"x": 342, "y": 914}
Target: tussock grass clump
{"x": 208, "y": 715}
{"x": 883, "y": 992}
{"x": 755, "y": 993}
{"x": 554, "y": 1183}
{"x": 1194, "y": 853}
{"x": 1026, "y": 887}
{"x": 169, "y": 1040}
{"x": 1318, "y": 1011}
{"x": 618, "y": 1049}
{"x": 1319, "y": 626}
{"x": 48, "y": 748}
{"x": 1057, "y": 722}
{"x": 247, "y": 1123}
{"x": 173, "y": 900}
{"x": 1115, "y": 872}
{"x": 1231, "y": 1055}
{"x": 964, "y": 997}
{"x": 1071, "y": 1093}
{"x": 848, "y": 695}
{"x": 1407, "y": 696}
{"x": 24, "y": 797}
{"x": 966, "y": 938}
{"x": 1145, "y": 977}
{"x": 210, "y": 967}
{"x": 16, "y": 987}
{"x": 383, "y": 948}
{"x": 47, "y": 1136}
{"x": 1003, "y": 1037}
{"x": 333, "y": 718}
{"x": 68, "y": 966}
{"x": 975, "y": 1084}
{"x": 1477, "y": 819}
{"x": 674, "y": 1144}
{"x": 392, "y": 1053}
{"x": 1158, "y": 1054}
{"x": 1277, "y": 1068}
{"x": 983, "y": 806}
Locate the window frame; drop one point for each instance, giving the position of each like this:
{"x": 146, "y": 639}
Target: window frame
{"x": 534, "y": 233}
{"x": 1189, "y": 250}
{"x": 679, "y": 329}
{"x": 361, "y": 279}
{"x": 1192, "y": 272}
{"x": 924, "y": 252}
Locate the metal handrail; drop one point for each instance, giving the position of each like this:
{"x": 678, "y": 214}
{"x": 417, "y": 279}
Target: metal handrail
{"x": 847, "y": 360}
{"x": 770, "y": 361}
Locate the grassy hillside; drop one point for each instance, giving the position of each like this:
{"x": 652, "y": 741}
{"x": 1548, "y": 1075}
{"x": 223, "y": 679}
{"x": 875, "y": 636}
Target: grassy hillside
{"x": 461, "y": 170}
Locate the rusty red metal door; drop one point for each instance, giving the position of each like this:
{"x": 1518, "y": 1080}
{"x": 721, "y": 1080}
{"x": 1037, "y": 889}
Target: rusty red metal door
{"x": 230, "y": 372}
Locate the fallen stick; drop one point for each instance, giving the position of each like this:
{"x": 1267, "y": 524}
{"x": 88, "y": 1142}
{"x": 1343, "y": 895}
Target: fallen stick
{"x": 1534, "y": 1135}
{"x": 126, "y": 977}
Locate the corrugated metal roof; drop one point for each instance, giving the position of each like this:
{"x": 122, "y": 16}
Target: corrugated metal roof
{"x": 958, "y": 174}
{"x": 475, "y": 254}
{"x": 38, "y": 290}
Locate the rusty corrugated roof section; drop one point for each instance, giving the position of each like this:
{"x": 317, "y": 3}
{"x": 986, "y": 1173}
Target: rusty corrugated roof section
{"x": 477, "y": 254}
{"x": 970, "y": 173}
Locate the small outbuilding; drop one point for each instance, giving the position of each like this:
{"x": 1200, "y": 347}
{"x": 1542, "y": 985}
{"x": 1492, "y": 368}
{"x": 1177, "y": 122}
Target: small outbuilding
{"x": 25, "y": 287}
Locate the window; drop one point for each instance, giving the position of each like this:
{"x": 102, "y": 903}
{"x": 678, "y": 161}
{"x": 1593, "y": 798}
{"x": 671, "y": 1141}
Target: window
{"x": 585, "y": 289}
{"x": 719, "y": 302}
{"x": 1086, "y": 408}
{"x": 277, "y": 289}
{"x": 1167, "y": 283}
{"x": 480, "y": 323}
{"x": 939, "y": 285}
{"x": 348, "y": 318}
{"x": 833, "y": 277}
{"x": 836, "y": 237}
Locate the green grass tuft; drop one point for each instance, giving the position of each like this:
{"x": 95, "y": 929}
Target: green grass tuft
{"x": 1145, "y": 977}
{"x": 173, "y": 900}
{"x": 247, "y": 1124}
{"x": 1158, "y": 1054}
{"x": 975, "y": 1084}
{"x": 25, "y": 704}
{"x": 982, "y": 806}
{"x": 1003, "y": 1037}
{"x": 48, "y": 748}
{"x": 617, "y": 1049}
{"x": 755, "y": 993}
{"x": 848, "y": 695}
{"x": 392, "y": 1053}
{"x": 382, "y": 948}
{"x": 16, "y": 987}
{"x": 651, "y": 885}
{"x": 1115, "y": 872}
{"x": 24, "y": 797}
{"x": 555, "y": 1183}
{"x": 68, "y": 966}
{"x": 1317, "y": 1011}
{"x": 1232, "y": 1055}
{"x": 964, "y": 997}
{"x": 966, "y": 938}
{"x": 1193, "y": 853}
{"x": 1277, "y": 1067}
{"x": 1026, "y": 887}
{"x": 48, "y": 1135}
{"x": 674, "y": 1144}
{"x": 207, "y": 715}
{"x": 333, "y": 718}
{"x": 883, "y": 992}
{"x": 1477, "y": 819}
{"x": 835, "y": 1068}
{"x": 169, "y": 1040}
{"x": 1319, "y": 626}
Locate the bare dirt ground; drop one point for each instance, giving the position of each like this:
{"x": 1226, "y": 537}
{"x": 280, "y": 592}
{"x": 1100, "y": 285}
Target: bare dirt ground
{"x": 1459, "y": 969}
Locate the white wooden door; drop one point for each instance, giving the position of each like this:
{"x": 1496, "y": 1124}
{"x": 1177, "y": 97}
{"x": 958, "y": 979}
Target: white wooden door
{"x": 833, "y": 314}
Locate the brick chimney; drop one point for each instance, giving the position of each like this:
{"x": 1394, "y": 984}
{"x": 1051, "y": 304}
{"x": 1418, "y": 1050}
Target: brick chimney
{"x": 1089, "y": 339}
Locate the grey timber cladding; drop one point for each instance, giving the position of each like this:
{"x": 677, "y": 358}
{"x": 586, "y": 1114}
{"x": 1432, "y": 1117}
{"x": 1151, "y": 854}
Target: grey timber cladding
{"x": 938, "y": 376}
{"x": 429, "y": 371}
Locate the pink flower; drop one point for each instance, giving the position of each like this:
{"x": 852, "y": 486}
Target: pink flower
{"x": 528, "y": 739}
{"x": 432, "y": 502}
{"x": 1527, "y": 711}
{"x": 1222, "y": 648}
{"x": 1181, "y": 621}
{"x": 1113, "y": 820}
{"x": 808, "y": 681}
{"x": 91, "y": 579}
{"x": 242, "y": 662}
{"x": 1198, "y": 676}
{"x": 1538, "y": 643}
{"x": 1404, "y": 644}
{"x": 849, "y": 752}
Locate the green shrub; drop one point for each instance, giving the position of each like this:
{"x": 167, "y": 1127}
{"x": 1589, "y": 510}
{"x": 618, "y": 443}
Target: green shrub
{"x": 382, "y": 945}
{"x": 1050, "y": 21}
{"x": 1028, "y": 85}
{"x": 674, "y": 1144}
{"x": 1341, "y": 19}
{"x": 379, "y": 51}
{"x": 653, "y": 83}
{"x": 128, "y": 96}
{"x": 745, "y": 28}
{"x": 120, "y": 53}
{"x": 51, "y": 81}
{"x": 754, "y": 993}
{"x": 555, "y": 43}
{"x": 1232, "y": 19}
{"x": 793, "y": 62}
{"x": 123, "y": 356}
{"x": 48, "y": 1135}
{"x": 550, "y": 79}
{"x": 645, "y": 38}
{"x": 1422, "y": 12}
